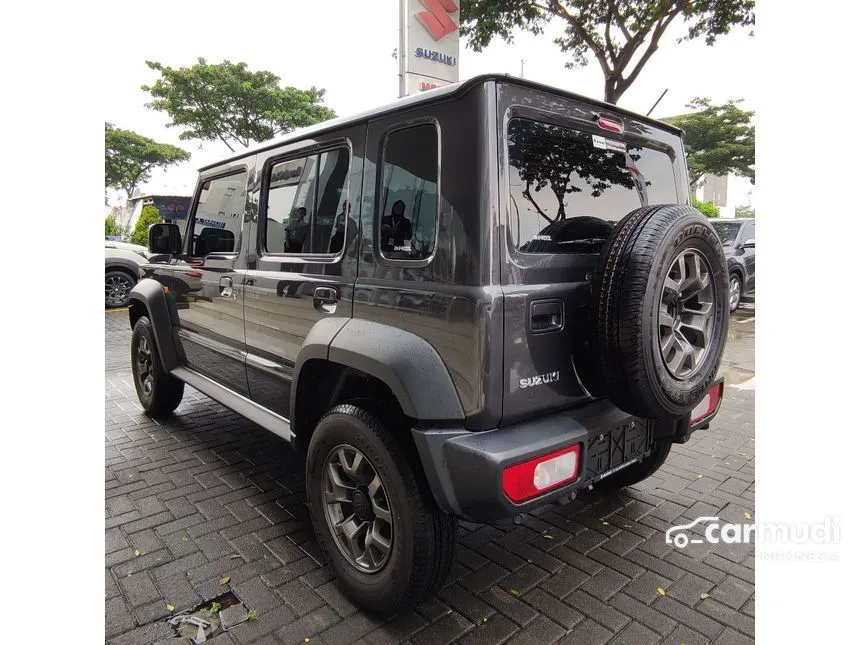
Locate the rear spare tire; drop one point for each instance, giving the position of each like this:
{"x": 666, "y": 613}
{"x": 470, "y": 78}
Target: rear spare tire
{"x": 659, "y": 311}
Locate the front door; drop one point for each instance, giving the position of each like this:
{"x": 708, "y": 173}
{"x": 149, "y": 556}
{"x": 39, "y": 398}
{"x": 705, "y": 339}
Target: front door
{"x": 304, "y": 268}
{"x": 207, "y": 281}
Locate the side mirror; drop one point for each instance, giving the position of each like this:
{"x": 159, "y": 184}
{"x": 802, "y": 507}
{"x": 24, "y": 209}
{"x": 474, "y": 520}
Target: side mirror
{"x": 165, "y": 238}
{"x": 749, "y": 244}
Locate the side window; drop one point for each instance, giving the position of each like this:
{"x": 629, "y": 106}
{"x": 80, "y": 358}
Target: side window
{"x": 306, "y": 201}
{"x": 289, "y": 205}
{"x": 333, "y": 207}
{"x": 218, "y": 216}
{"x": 749, "y": 234}
{"x": 410, "y": 193}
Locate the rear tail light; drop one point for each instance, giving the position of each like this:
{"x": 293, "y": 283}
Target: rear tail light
{"x": 707, "y": 405}
{"x": 535, "y": 476}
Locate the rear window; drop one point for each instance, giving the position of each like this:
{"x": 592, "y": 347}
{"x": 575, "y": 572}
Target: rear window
{"x": 568, "y": 188}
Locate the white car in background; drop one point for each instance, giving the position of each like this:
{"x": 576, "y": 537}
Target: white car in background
{"x": 122, "y": 270}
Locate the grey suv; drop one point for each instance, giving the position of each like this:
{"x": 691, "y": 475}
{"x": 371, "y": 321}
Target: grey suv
{"x": 738, "y": 238}
{"x": 468, "y": 304}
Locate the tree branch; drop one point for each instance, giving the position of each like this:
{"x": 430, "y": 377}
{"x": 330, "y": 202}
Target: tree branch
{"x": 607, "y": 35}
{"x": 620, "y": 23}
{"x": 592, "y": 44}
{"x": 527, "y": 194}
{"x": 660, "y": 28}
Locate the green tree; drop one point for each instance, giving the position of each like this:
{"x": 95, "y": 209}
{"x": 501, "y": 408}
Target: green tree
{"x": 621, "y": 34}
{"x": 149, "y": 215}
{"x": 130, "y": 158}
{"x": 230, "y": 103}
{"x": 111, "y": 226}
{"x": 706, "y": 208}
{"x": 744, "y": 211}
{"x": 718, "y": 139}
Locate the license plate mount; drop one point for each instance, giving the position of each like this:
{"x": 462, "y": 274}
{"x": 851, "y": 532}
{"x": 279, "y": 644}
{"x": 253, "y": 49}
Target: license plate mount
{"x": 616, "y": 448}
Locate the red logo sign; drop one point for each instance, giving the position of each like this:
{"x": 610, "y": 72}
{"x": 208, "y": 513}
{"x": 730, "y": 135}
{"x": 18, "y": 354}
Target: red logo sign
{"x": 436, "y": 19}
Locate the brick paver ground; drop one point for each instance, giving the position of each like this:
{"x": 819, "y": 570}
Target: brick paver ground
{"x": 207, "y": 495}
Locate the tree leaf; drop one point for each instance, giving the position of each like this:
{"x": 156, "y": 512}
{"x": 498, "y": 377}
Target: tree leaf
{"x": 170, "y": 607}
{"x": 136, "y": 553}
{"x": 704, "y": 595}
{"x": 224, "y": 580}
{"x": 661, "y": 591}
{"x": 748, "y": 516}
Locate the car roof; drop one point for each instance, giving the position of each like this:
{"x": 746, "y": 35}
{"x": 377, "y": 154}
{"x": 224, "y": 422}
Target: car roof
{"x": 428, "y": 97}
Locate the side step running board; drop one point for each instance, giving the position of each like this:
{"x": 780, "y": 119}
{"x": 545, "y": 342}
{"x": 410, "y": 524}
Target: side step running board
{"x": 247, "y": 408}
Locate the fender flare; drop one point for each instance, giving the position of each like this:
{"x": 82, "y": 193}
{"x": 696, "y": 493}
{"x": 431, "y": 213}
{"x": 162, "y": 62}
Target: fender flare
{"x": 149, "y": 294}
{"x": 406, "y": 363}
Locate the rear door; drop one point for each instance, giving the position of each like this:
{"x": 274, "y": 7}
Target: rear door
{"x": 303, "y": 266}
{"x": 565, "y": 182}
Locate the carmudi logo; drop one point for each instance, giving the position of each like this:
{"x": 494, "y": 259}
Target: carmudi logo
{"x": 436, "y": 19}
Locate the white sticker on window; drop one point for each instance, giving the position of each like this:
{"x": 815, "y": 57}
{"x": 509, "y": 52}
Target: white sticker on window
{"x": 618, "y": 146}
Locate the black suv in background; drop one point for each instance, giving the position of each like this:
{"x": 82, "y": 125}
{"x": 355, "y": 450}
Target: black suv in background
{"x": 469, "y": 303}
{"x": 738, "y": 238}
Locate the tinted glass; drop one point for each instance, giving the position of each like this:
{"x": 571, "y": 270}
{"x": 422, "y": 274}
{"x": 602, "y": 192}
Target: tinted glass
{"x": 332, "y": 203}
{"x": 219, "y": 215}
{"x": 410, "y": 193}
{"x": 749, "y": 232}
{"x": 290, "y": 205}
{"x": 728, "y": 231}
{"x": 307, "y": 198}
{"x": 568, "y": 188}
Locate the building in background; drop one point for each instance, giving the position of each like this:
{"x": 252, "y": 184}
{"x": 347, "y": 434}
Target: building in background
{"x": 726, "y": 192}
{"x": 172, "y": 208}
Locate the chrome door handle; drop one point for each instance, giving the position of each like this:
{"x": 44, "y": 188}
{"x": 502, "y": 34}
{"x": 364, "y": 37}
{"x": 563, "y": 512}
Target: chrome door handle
{"x": 226, "y": 287}
{"x": 325, "y": 300}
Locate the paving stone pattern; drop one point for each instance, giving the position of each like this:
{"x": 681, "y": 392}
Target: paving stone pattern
{"x": 208, "y": 495}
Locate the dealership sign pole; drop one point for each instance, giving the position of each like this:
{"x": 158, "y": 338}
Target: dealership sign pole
{"x": 429, "y": 44}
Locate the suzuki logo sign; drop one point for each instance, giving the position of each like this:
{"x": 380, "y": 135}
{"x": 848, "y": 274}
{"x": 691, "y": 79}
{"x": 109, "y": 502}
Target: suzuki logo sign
{"x": 436, "y": 19}
{"x": 429, "y": 44}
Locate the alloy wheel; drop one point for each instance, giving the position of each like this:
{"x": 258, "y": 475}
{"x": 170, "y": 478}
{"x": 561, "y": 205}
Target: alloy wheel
{"x": 117, "y": 289}
{"x": 734, "y": 293}
{"x": 686, "y": 314}
{"x": 357, "y": 509}
{"x": 145, "y": 372}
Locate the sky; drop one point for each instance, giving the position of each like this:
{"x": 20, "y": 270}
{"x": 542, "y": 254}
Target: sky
{"x": 346, "y": 48}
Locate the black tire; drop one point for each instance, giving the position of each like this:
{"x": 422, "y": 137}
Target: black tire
{"x": 118, "y": 284}
{"x": 637, "y": 472}
{"x": 422, "y": 537}
{"x": 627, "y": 292}
{"x": 159, "y": 393}
{"x": 735, "y": 282}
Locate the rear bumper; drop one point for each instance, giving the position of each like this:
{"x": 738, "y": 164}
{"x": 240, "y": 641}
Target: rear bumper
{"x": 464, "y": 469}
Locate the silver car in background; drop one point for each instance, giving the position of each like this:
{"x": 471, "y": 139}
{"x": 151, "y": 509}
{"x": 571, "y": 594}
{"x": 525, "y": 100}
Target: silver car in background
{"x": 122, "y": 270}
